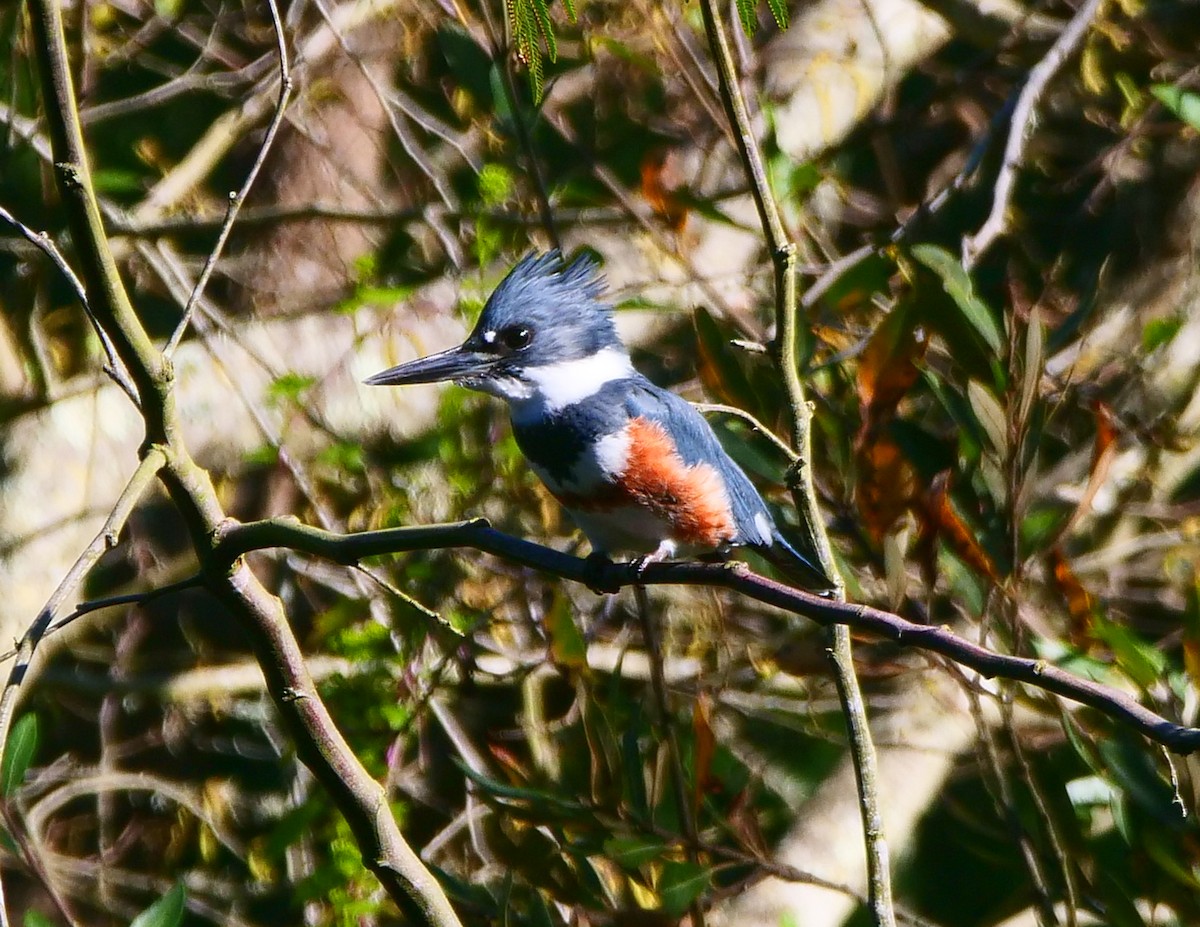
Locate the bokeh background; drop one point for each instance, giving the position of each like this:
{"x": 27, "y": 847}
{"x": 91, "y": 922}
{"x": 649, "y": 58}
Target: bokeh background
{"x": 1011, "y": 451}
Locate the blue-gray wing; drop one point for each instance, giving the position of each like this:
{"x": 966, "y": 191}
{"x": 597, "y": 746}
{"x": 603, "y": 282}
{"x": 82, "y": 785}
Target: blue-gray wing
{"x": 697, "y": 443}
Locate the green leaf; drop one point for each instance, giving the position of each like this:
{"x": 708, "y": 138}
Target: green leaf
{"x": 961, "y": 290}
{"x": 539, "y": 914}
{"x": 166, "y": 912}
{"x": 631, "y": 852}
{"x": 523, "y": 15}
{"x": 1185, "y": 104}
{"x": 680, "y": 884}
{"x": 1140, "y": 661}
{"x": 496, "y": 184}
{"x": 1157, "y": 332}
{"x": 780, "y": 11}
{"x": 1134, "y": 772}
{"x": 720, "y": 370}
{"x": 346, "y": 456}
{"x": 541, "y": 13}
{"x": 500, "y": 104}
{"x": 114, "y": 180}
{"x": 22, "y": 745}
{"x": 36, "y": 919}
{"x": 287, "y": 388}
{"x": 747, "y": 14}
{"x": 631, "y": 768}
{"x": 1031, "y": 374}
{"x": 468, "y": 62}
{"x": 535, "y": 797}
{"x": 567, "y": 646}
{"x": 990, "y": 415}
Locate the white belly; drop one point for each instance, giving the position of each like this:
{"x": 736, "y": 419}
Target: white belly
{"x": 627, "y": 528}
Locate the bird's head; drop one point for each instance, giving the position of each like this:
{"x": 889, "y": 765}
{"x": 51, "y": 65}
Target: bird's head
{"x": 543, "y": 328}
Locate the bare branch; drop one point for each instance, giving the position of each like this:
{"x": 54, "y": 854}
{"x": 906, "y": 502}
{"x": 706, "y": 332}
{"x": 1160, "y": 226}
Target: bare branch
{"x": 236, "y": 199}
{"x": 1024, "y": 116}
{"x": 235, "y": 539}
{"x": 43, "y": 243}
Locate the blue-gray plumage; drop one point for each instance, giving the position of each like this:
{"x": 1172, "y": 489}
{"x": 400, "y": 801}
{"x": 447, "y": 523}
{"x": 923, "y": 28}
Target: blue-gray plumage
{"x": 637, "y": 467}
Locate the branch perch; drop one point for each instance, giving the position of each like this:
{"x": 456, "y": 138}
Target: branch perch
{"x": 234, "y": 539}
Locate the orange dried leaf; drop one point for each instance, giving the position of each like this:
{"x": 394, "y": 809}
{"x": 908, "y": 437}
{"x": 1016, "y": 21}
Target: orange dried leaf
{"x": 939, "y": 510}
{"x": 1191, "y": 658}
{"x": 888, "y": 368}
{"x": 1104, "y": 450}
{"x": 744, "y": 824}
{"x": 509, "y": 762}
{"x": 886, "y": 483}
{"x": 1106, "y": 431}
{"x": 657, "y": 192}
{"x": 1078, "y": 599}
{"x": 706, "y": 747}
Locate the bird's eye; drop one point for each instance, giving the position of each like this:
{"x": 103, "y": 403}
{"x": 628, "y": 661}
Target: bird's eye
{"x": 516, "y": 337}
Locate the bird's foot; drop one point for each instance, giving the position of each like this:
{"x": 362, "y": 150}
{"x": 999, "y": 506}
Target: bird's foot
{"x": 597, "y": 574}
{"x": 664, "y": 551}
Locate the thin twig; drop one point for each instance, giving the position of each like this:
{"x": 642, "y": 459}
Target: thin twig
{"x": 1024, "y": 116}
{"x": 752, "y": 422}
{"x": 787, "y": 303}
{"x": 231, "y": 127}
{"x": 236, "y": 199}
{"x": 43, "y": 243}
{"x": 142, "y": 477}
{"x": 133, "y": 598}
{"x": 679, "y": 783}
{"x": 412, "y": 147}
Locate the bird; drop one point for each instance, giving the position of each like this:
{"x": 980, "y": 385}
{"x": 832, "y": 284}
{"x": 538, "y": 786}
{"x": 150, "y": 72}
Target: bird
{"x": 637, "y": 467}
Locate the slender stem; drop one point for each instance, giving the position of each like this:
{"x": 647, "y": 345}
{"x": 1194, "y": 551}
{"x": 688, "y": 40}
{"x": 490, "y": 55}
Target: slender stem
{"x": 658, "y": 685}
{"x": 142, "y": 477}
{"x": 787, "y": 340}
{"x": 237, "y": 199}
{"x": 42, "y": 242}
{"x": 1024, "y": 116}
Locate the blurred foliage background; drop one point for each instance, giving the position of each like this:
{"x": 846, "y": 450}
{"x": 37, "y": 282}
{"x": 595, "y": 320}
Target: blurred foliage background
{"x": 1011, "y": 450}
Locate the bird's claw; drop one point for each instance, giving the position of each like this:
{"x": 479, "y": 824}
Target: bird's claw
{"x": 638, "y": 565}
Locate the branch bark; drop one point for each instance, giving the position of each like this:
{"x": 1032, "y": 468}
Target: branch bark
{"x": 318, "y": 742}
{"x": 235, "y": 539}
{"x": 787, "y": 360}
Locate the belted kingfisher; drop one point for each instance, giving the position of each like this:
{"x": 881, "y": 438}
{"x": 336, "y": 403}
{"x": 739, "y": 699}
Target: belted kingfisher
{"x": 637, "y": 467}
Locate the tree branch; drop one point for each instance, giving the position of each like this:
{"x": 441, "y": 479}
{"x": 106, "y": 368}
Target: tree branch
{"x": 1024, "y": 116}
{"x": 319, "y": 743}
{"x": 234, "y": 539}
{"x": 787, "y": 359}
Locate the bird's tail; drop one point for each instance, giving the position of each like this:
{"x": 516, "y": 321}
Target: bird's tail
{"x": 794, "y": 566}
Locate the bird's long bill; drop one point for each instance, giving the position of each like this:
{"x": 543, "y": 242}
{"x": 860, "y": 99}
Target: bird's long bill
{"x": 455, "y": 364}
